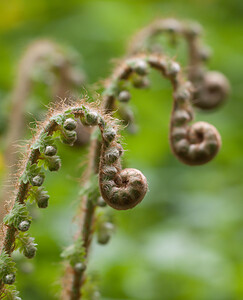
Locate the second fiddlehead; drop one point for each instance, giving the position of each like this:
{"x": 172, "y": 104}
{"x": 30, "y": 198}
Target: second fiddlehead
{"x": 195, "y": 138}
{"x": 123, "y": 189}
{"x": 211, "y": 88}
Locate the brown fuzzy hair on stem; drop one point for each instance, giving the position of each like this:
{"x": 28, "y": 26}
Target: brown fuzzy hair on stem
{"x": 60, "y": 123}
{"x": 54, "y": 60}
{"x": 49, "y": 57}
{"x": 202, "y": 139}
{"x": 123, "y": 189}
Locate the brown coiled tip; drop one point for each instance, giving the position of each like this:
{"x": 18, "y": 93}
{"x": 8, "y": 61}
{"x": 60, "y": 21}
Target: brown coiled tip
{"x": 126, "y": 190}
{"x": 200, "y": 145}
{"x": 213, "y": 91}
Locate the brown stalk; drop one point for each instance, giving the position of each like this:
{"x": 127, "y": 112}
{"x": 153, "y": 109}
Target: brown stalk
{"x": 41, "y": 52}
{"x": 169, "y": 70}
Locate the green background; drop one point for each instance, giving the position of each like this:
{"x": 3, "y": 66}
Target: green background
{"x": 185, "y": 240}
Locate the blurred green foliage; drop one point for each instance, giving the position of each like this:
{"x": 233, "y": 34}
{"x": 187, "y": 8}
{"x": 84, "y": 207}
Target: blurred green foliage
{"x": 185, "y": 240}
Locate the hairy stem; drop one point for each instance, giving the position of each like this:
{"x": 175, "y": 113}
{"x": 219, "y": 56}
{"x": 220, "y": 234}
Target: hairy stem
{"x": 23, "y": 186}
{"x": 123, "y": 73}
{"x": 86, "y": 234}
{"x": 7, "y": 243}
{"x": 43, "y": 151}
{"x": 40, "y": 54}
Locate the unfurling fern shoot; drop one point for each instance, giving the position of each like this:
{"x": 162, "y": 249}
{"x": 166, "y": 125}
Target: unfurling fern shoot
{"x": 43, "y": 153}
{"x": 107, "y": 183}
{"x": 211, "y": 88}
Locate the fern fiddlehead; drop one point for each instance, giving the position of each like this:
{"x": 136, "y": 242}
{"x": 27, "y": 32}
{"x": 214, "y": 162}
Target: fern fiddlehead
{"x": 124, "y": 189}
{"x": 199, "y": 135}
{"x": 46, "y": 55}
{"x": 121, "y": 189}
{"x": 211, "y": 88}
{"x": 42, "y": 152}
{"x": 56, "y": 69}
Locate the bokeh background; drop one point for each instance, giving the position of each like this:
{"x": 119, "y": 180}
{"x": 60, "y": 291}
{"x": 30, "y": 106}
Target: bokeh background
{"x": 185, "y": 240}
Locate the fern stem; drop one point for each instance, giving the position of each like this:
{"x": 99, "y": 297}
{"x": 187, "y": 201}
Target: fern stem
{"x": 38, "y": 53}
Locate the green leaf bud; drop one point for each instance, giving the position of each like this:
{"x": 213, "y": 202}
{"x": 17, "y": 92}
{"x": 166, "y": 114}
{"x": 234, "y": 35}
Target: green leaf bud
{"x": 141, "y": 82}
{"x": 54, "y": 163}
{"x": 70, "y": 124}
{"x": 9, "y": 279}
{"x": 173, "y": 68}
{"x": 69, "y": 137}
{"x": 109, "y": 134}
{"x": 141, "y": 67}
{"x": 104, "y": 233}
{"x": 79, "y": 267}
{"x": 111, "y": 155}
{"x": 91, "y": 118}
{"x": 30, "y": 251}
{"x": 101, "y": 202}
{"x": 42, "y": 200}
{"x": 37, "y": 180}
{"x": 50, "y": 151}
{"x": 24, "y": 226}
{"x": 124, "y": 96}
